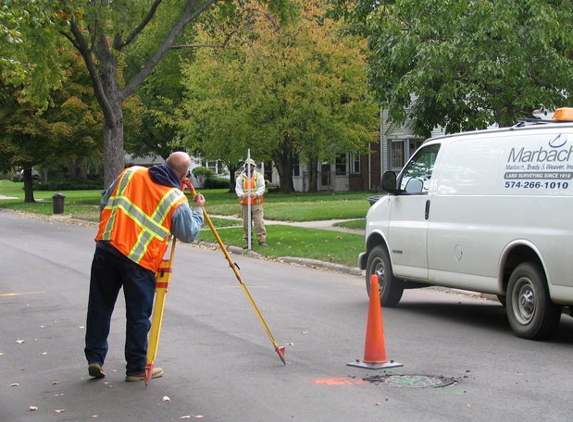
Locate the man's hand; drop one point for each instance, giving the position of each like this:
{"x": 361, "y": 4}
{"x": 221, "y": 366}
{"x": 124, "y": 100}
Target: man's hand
{"x": 199, "y": 200}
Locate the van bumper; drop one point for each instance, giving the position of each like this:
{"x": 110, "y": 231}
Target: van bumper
{"x": 362, "y": 258}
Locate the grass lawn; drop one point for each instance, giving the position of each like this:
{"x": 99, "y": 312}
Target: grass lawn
{"x": 283, "y": 239}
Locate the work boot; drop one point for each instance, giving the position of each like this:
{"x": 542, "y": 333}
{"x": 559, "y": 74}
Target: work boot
{"x": 95, "y": 370}
{"x": 156, "y": 373}
{"x": 262, "y": 243}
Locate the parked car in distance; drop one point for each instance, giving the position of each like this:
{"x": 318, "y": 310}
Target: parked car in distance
{"x": 35, "y": 176}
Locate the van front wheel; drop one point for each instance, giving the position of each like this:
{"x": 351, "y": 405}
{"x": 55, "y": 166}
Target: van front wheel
{"x": 530, "y": 311}
{"x": 391, "y": 288}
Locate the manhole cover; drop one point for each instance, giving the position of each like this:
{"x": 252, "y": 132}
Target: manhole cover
{"x": 411, "y": 381}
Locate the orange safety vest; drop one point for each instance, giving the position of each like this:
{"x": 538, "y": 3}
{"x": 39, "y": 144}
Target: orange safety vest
{"x": 249, "y": 188}
{"x": 137, "y": 218}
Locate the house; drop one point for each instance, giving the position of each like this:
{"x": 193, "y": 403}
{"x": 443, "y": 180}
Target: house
{"x": 352, "y": 172}
{"x": 151, "y": 160}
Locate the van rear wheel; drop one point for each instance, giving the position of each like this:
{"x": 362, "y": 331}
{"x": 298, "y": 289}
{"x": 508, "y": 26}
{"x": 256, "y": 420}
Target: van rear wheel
{"x": 530, "y": 311}
{"x": 391, "y": 288}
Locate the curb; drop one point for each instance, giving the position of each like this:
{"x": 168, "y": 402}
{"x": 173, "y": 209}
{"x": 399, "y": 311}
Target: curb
{"x": 311, "y": 263}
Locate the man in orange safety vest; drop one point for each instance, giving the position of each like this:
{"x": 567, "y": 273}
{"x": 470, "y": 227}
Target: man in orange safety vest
{"x": 140, "y": 212}
{"x": 250, "y": 189}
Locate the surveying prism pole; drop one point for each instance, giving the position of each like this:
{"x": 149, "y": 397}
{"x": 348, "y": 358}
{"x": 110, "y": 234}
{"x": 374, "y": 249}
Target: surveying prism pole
{"x": 249, "y": 210}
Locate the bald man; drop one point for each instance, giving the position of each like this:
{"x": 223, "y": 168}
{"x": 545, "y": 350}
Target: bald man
{"x": 140, "y": 212}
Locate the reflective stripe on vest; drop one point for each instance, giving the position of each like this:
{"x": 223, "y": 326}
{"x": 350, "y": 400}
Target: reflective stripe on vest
{"x": 151, "y": 226}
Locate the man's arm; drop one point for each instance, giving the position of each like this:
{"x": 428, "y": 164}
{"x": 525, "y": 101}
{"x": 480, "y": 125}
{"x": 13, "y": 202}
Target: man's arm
{"x": 186, "y": 222}
{"x": 239, "y": 186}
{"x": 260, "y": 185}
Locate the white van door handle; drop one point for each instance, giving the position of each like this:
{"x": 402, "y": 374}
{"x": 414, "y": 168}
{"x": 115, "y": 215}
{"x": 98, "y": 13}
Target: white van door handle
{"x": 427, "y": 212}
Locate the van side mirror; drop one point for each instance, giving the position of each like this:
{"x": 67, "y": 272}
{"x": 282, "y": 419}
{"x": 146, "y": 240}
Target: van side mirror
{"x": 414, "y": 186}
{"x": 389, "y": 182}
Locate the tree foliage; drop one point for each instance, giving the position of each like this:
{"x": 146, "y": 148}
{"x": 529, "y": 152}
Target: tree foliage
{"x": 464, "y": 64}
{"x": 67, "y": 130}
{"x": 121, "y": 43}
{"x": 284, "y": 91}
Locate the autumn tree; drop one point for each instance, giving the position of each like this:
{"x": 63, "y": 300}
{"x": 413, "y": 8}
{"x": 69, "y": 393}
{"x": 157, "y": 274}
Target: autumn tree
{"x": 465, "y": 64}
{"x": 286, "y": 92}
{"x": 66, "y": 131}
{"x": 122, "y": 42}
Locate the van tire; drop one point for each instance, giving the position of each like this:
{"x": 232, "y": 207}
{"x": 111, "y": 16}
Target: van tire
{"x": 530, "y": 311}
{"x": 391, "y": 288}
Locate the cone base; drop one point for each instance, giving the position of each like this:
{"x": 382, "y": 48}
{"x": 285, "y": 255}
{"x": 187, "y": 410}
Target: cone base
{"x": 386, "y": 365}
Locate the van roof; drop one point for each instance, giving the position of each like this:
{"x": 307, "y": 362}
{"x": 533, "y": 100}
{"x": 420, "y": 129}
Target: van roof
{"x": 563, "y": 117}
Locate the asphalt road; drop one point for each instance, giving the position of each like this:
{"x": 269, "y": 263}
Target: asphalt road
{"x": 461, "y": 361}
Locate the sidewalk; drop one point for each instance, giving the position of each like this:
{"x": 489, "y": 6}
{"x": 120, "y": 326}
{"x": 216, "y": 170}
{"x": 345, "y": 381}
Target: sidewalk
{"x": 317, "y": 224}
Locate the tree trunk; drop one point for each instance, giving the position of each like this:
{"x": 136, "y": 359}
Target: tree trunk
{"x": 113, "y": 154}
{"x": 313, "y": 175}
{"x": 232, "y": 177}
{"x": 77, "y": 167}
{"x": 285, "y": 163}
{"x": 111, "y": 102}
{"x": 28, "y": 186}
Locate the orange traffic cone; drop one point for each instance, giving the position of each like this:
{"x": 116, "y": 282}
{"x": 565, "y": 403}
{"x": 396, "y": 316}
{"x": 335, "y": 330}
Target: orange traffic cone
{"x": 374, "y": 348}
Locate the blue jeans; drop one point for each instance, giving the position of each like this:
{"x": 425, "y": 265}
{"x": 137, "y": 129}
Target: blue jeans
{"x": 109, "y": 273}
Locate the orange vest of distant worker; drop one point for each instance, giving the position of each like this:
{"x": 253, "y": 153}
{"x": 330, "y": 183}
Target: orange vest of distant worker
{"x": 137, "y": 218}
{"x": 250, "y": 188}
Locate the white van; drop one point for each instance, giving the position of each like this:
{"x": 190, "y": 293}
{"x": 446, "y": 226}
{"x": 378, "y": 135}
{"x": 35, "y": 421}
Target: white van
{"x": 486, "y": 211}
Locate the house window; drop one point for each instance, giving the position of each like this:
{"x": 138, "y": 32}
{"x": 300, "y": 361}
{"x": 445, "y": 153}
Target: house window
{"x": 268, "y": 173}
{"x": 355, "y": 163}
{"x": 397, "y": 154}
{"x": 217, "y": 166}
{"x": 296, "y": 168}
{"x": 341, "y": 165}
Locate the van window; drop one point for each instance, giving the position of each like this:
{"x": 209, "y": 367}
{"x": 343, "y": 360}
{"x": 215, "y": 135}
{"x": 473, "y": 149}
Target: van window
{"x": 420, "y": 169}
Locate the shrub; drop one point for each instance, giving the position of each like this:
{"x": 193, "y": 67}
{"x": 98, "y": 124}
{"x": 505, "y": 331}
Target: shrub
{"x": 69, "y": 184}
{"x": 217, "y": 183}
{"x": 203, "y": 172}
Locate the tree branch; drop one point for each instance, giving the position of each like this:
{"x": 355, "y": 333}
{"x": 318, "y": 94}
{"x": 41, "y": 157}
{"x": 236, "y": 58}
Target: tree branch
{"x": 77, "y": 39}
{"x": 187, "y": 16}
{"x": 118, "y": 44}
{"x": 223, "y": 45}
